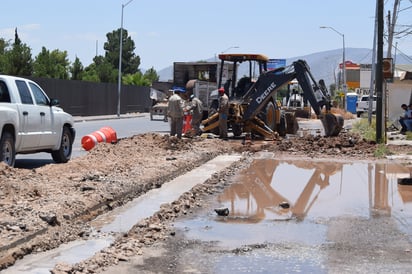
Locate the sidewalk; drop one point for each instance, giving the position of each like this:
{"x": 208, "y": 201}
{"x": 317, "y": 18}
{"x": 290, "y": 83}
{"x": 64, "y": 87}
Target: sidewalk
{"x": 107, "y": 117}
{"x": 395, "y": 138}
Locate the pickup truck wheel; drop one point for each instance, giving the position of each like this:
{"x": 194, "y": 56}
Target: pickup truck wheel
{"x": 8, "y": 150}
{"x": 63, "y": 154}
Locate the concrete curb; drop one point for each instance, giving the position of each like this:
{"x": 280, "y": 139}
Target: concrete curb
{"x": 78, "y": 119}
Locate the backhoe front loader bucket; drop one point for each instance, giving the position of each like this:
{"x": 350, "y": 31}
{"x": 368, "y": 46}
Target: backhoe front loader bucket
{"x": 332, "y": 124}
{"x": 211, "y": 124}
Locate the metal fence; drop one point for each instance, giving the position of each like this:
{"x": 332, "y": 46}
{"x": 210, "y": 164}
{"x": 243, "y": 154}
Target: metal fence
{"x": 82, "y": 98}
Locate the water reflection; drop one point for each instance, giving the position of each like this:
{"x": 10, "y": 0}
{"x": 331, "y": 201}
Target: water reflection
{"x": 323, "y": 189}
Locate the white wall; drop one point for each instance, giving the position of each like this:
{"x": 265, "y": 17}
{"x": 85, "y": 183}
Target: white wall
{"x": 398, "y": 93}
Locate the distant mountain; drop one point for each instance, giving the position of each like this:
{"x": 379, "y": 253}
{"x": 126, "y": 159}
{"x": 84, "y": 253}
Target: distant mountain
{"x": 323, "y": 65}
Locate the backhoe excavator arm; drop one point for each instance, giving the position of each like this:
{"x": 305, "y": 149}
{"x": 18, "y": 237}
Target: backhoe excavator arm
{"x": 271, "y": 81}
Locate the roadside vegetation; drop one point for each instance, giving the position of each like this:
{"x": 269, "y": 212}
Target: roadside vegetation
{"x": 364, "y": 129}
{"x": 16, "y": 59}
{"x": 368, "y": 132}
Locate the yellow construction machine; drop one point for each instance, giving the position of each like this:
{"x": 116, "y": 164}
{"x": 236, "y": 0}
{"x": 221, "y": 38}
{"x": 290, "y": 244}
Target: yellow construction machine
{"x": 253, "y": 108}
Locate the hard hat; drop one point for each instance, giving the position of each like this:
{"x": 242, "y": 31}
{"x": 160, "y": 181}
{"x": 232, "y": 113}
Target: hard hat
{"x": 221, "y": 90}
{"x": 179, "y": 89}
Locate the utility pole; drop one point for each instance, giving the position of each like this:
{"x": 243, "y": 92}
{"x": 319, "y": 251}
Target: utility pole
{"x": 391, "y": 27}
{"x": 379, "y": 74}
{"x": 373, "y": 72}
{"x": 344, "y": 86}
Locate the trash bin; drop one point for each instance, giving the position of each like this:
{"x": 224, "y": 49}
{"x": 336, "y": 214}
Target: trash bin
{"x": 351, "y": 99}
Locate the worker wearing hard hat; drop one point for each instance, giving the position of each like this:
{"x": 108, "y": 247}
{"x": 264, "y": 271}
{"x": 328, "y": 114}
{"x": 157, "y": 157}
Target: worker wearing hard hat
{"x": 195, "y": 106}
{"x": 175, "y": 112}
{"x": 223, "y": 111}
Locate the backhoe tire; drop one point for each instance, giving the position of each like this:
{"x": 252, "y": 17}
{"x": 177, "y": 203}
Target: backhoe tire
{"x": 281, "y": 127}
{"x": 237, "y": 130}
{"x": 270, "y": 116}
{"x": 7, "y": 149}
{"x": 291, "y": 123}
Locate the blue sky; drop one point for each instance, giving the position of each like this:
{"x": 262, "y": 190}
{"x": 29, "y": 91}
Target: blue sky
{"x": 165, "y": 31}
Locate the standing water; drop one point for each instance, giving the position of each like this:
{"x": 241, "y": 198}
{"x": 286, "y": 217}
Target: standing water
{"x": 282, "y": 211}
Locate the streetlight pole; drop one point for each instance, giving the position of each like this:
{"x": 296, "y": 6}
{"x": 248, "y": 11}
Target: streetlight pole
{"x": 344, "y": 86}
{"x": 229, "y": 48}
{"x": 119, "y": 80}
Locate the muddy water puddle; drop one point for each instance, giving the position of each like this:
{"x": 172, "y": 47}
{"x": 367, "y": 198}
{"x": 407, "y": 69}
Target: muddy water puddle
{"x": 279, "y": 202}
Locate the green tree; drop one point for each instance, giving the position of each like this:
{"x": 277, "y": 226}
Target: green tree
{"x": 52, "y": 64}
{"x": 130, "y": 62}
{"x": 152, "y": 75}
{"x": 76, "y": 70}
{"x": 18, "y": 60}
{"x": 104, "y": 70}
{"x": 4, "y": 45}
{"x": 137, "y": 79}
{"x": 100, "y": 71}
{"x": 90, "y": 73}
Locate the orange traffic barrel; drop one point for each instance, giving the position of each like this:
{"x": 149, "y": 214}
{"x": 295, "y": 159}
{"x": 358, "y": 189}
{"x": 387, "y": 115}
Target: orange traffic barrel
{"x": 104, "y": 135}
{"x": 187, "y": 119}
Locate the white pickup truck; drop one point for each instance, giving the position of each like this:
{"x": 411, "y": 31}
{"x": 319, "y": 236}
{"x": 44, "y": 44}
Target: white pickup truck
{"x": 30, "y": 122}
{"x": 362, "y": 105}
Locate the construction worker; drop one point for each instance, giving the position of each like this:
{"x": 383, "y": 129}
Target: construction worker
{"x": 223, "y": 111}
{"x": 175, "y": 112}
{"x": 408, "y": 120}
{"x": 404, "y": 118}
{"x": 195, "y": 106}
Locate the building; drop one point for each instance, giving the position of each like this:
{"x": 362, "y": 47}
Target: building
{"x": 398, "y": 86}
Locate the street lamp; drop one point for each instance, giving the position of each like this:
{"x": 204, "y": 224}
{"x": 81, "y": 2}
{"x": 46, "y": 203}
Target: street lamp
{"x": 120, "y": 60}
{"x": 229, "y": 48}
{"x": 343, "y": 65}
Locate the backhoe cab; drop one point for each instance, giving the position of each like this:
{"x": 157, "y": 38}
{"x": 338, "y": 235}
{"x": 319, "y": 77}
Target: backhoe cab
{"x": 253, "y": 108}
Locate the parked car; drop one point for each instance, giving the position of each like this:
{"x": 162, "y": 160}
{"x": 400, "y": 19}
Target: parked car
{"x": 363, "y": 105}
{"x": 31, "y": 122}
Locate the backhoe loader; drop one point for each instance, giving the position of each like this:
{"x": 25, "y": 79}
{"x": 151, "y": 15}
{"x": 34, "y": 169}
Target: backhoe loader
{"x": 253, "y": 108}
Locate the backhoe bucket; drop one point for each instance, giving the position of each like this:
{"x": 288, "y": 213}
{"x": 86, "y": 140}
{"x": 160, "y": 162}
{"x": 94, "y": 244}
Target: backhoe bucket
{"x": 332, "y": 124}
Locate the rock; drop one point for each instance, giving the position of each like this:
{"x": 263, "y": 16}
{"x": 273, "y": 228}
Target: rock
{"x": 224, "y": 211}
{"x": 50, "y": 219}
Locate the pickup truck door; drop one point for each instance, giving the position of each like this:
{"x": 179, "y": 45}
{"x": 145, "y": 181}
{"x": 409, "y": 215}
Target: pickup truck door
{"x": 47, "y": 129}
{"x": 29, "y": 117}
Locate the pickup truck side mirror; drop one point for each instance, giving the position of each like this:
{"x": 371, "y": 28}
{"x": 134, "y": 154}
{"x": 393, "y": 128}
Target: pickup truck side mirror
{"x": 54, "y": 102}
